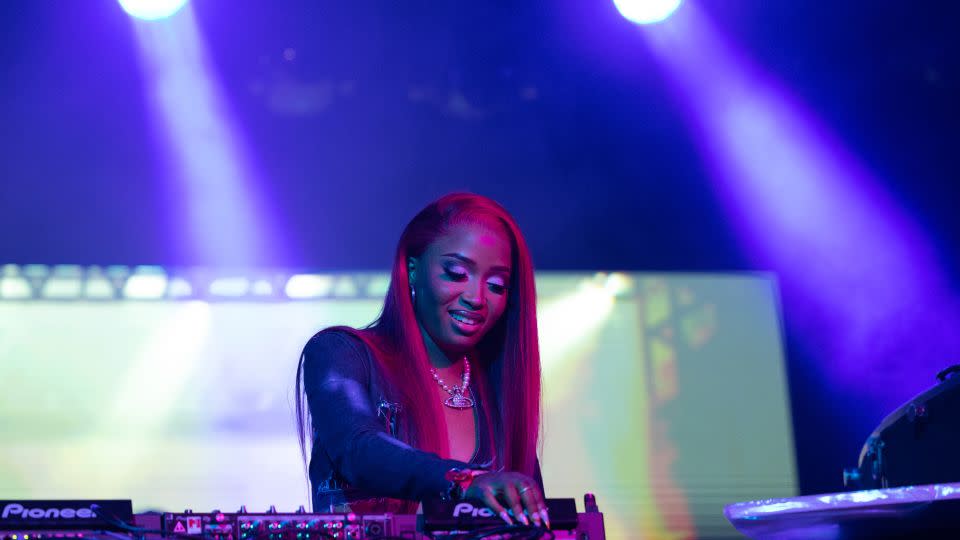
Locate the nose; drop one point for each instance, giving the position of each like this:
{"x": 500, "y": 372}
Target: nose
{"x": 473, "y": 296}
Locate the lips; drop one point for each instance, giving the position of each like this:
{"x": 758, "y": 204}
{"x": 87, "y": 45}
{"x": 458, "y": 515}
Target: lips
{"x": 466, "y": 321}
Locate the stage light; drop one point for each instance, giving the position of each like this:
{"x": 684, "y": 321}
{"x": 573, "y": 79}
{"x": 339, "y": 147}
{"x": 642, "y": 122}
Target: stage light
{"x": 804, "y": 206}
{"x": 64, "y": 283}
{"x": 230, "y": 286}
{"x": 646, "y": 11}
{"x": 345, "y": 288}
{"x": 151, "y": 10}
{"x": 13, "y": 285}
{"x": 308, "y": 286}
{"x": 15, "y": 288}
{"x": 146, "y": 283}
{"x": 378, "y": 285}
{"x": 262, "y": 288}
{"x": 179, "y": 288}
{"x": 98, "y": 288}
{"x": 61, "y": 289}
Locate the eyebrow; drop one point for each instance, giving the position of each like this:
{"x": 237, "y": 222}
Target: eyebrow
{"x": 470, "y": 261}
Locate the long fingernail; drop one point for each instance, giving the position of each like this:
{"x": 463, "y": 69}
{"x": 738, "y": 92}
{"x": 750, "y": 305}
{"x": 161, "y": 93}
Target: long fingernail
{"x": 546, "y": 517}
{"x": 506, "y": 517}
{"x": 536, "y": 519}
{"x": 523, "y": 519}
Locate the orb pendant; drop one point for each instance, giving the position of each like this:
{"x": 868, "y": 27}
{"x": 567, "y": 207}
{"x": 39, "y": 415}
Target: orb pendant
{"x": 458, "y": 401}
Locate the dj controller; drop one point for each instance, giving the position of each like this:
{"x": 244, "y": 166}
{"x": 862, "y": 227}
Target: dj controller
{"x": 115, "y": 520}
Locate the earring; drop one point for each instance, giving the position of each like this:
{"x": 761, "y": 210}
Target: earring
{"x": 413, "y": 294}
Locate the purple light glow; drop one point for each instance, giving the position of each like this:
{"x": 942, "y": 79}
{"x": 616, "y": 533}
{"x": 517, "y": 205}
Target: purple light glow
{"x": 872, "y": 299}
{"x": 646, "y": 11}
{"x": 221, "y": 215}
{"x": 151, "y": 10}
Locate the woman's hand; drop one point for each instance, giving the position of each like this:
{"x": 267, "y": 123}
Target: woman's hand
{"x": 510, "y": 490}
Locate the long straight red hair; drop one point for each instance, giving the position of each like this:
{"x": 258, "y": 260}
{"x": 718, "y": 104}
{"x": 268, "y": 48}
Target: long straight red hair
{"x": 509, "y": 355}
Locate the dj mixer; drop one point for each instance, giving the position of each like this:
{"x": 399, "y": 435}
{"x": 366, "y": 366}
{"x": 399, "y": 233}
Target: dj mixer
{"x": 45, "y": 520}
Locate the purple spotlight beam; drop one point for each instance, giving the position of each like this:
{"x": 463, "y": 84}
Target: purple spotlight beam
{"x": 222, "y": 213}
{"x": 151, "y": 10}
{"x": 646, "y": 11}
{"x": 870, "y": 292}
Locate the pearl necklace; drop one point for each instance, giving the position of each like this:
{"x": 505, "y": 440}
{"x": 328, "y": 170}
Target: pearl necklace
{"x": 457, "y": 399}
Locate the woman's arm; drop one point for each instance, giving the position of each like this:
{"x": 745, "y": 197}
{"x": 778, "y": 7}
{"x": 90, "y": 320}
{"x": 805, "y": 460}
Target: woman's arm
{"x": 349, "y": 433}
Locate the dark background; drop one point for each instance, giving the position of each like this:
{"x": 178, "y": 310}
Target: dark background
{"x": 556, "y": 109}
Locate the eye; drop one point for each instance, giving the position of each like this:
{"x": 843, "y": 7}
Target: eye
{"x": 455, "y": 273}
{"x": 497, "y": 286}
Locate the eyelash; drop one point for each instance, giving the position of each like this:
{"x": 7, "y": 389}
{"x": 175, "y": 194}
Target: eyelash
{"x": 497, "y": 289}
{"x": 494, "y": 287}
{"x": 455, "y": 275}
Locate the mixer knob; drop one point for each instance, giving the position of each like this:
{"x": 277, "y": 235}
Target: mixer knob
{"x": 243, "y": 509}
{"x": 590, "y": 503}
{"x": 374, "y": 528}
{"x": 301, "y": 510}
{"x": 272, "y": 509}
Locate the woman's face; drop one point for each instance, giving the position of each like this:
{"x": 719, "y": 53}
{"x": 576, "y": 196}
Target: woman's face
{"x": 461, "y": 283}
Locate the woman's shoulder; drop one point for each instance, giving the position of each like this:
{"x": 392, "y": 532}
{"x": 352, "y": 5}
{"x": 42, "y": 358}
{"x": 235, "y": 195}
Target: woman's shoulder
{"x": 342, "y": 347}
{"x": 338, "y": 336}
